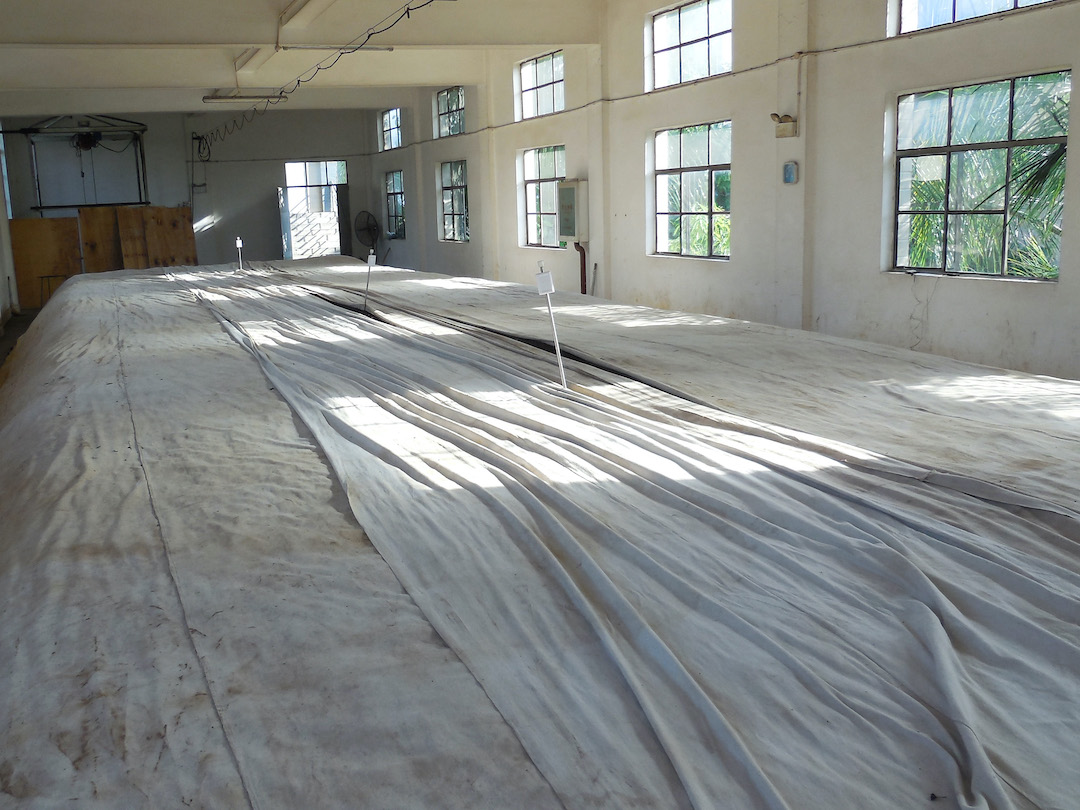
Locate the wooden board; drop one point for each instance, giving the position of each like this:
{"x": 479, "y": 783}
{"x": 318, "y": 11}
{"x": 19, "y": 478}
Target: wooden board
{"x": 170, "y": 239}
{"x": 100, "y": 240}
{"x": 132, "y": 238}
{"x": 46, "y": 252}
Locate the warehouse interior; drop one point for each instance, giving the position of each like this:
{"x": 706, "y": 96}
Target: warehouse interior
{"x": 785, "y": 514}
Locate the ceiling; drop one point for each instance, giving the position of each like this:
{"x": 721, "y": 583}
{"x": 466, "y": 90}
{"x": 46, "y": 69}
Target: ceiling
{"x": 116, "y": 56}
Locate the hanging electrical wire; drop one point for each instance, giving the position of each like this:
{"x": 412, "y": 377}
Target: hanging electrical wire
{"x": 206, "y": 141}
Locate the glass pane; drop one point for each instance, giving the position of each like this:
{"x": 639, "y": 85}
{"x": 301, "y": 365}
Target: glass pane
{"x": 666, "y": 68}
{"x": 444, "y": 126}
{"x": 695, "y": 146}
{"x": 557, "y": 69}
{"x": 532, "y": 229}
{"x": 560, "y": 161}
{"x": 446, "y": 175}
{"x": 448, "y": 201}
{"x": 916, "y": 14}
{"x": 693, "y": 21}
{"x": 721, "y": 185}
{"x": 719, "y": 16}
{"x": 395, "y": 117}
{"x": 695, "y": 61}
{"x": 458, "y": 172}
{"x": 667, "y": 149}
{"x": 720, "y": 143}
{"x": 461, "y": 223}
{"x": 981, "y": 113}
{"x": 668, "y": 193}
{"x": 975, "y": 243}
{"x": 560, "y": 97}
{"x": 922, "y": 120}
{"x": 547, "y": 197}
{"x": 668, "y": 233}
{"x": 721, "y": 235}
{"x": 545, "y": 100}
{"x": 666, "y": 30}
{"x": 547, "y": 163}
{"x": 1041, "y": 106}
{"x": 528, "y": 75}
{"x": 720, "y": 54}
{"x": 444, "y": 101}
{"x": 459, "y": 200}
{"x": 1036, "y": 200}
{"x": 532, "y": 198}
{"x": 695, "y": 234}
{"x": 977, "y": 180}
{"x": 549, "y": 224}
{"x": 922, "y": 183}
{"x": 316, "y": 173}
{"x": 530, "y": 164}
{"x": 920, "y": 240}
{"x": 966, "y": 9}
{"x": 1034, "y": 251}
{"x": 695, "y": 191}
{"x": 457, "y": 122}
{"x": 528, "y": 104}
{"x": 543, "y": 71}
{"x": 295, "y": 174}
{"x": 336, "y": 172}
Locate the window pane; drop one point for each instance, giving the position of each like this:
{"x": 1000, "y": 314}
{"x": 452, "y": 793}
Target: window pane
{"x": 922, "y": 183}
{"x": 316, "y": 173}
{"x": 920, "y": 240}
{"x": 560, "y": 97}
{"x": 295, "y": 174}
{"x": 336, "y": 172}
{"x": 966, "y": 9}
{"x": 922, "y": 120}
{"x": 457, "y": 122}
{"x": 917, "y": 14}
{"x": 530, "y": 163}
{"x": 975, "y": 243}
{"x": 459, "y": 200}
{"x": 695, "y": 146}
{"x": 695, "y": 234}
{"x": 528, "y": 75}
{"x": 719, "y": 16}
{"x": 557, "y": 69}
{"x": 720, "y": 143}
{"x": 448, "y": 201}
{"x": 444, "y": 101}
{"x": 550, "y": 230}
{"x": 547, "y": 163}
{"x": 721, "y": 235}
{"x": 666, "y": 30}
{"x": 693, "y": 21}
{"x": 560, "y": 161}
{"x": 528, "y": 104}
{"x": 668, "y": 233}
{"x": 721, "y": 185}
{"x": 458, "y": 172}
{"x": 446, "y": 176}
{"x": 545, "y": 100}
{"x": 695, "y": 61}
{"x": 543, "y": 71}
{"x": 981, "y": 113}
{"x": 1036, "y": 200}
{"x": 695, "y": 191}
{"x": 532, "y": 198}
{"x": 1041, "y": 106}
{"x": 668, "y": 193}
{"x": 667, "y": 149}
{"x": 977, "y": 180}
{"x": 666, "y": 68}
{"x": 444, "y": 126}
{"x": 533, "y": 234}
{"x": 461, "y": 224}
{"x": 547, "y": 197}
{"x": 1034, "y": 251}
{"x": 720, "y": 54}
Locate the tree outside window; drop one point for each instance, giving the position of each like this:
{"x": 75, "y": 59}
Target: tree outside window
{"x": 693, "y": 190}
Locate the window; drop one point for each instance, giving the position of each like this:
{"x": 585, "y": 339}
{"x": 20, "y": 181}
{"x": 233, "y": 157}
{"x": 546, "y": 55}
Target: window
{"x": 693, "y": 190}
{"x": 395, "y": 205}
{"x": 691, "y": 42}
{"x": 544, "y": 168}
{"x": 391, "y": 129}
{"x": 980, "y": 177}
{"x": 451, "y": 106}
{"x": 916, "y": 14}
{"x": 310, "y": 208}
{"x": 455, "y": 201}
{"x": 542, "y": 87}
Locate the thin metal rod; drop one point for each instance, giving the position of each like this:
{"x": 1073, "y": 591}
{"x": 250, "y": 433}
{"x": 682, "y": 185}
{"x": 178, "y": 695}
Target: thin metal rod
{"x": 558, "y": 352}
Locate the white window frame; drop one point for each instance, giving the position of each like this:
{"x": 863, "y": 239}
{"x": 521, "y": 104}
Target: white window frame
{"x": 956, "y": 11}
{"x": 454, "y": 124}
{"x": 394, "y": 184}
{"x": 453, "y": 206}
{"x": 390, "y": 129}
{"x": 540, "y": 205}
{"x": 708, "y": 36}
{"x": 534, "y": 86}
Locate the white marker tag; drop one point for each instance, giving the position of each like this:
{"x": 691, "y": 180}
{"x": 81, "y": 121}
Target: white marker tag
{"x": 545, "y": 284}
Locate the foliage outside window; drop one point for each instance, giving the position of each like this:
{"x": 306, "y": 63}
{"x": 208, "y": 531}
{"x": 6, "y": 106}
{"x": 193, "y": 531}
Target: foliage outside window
{"x": 395, "y": 204}
{"x": 980, "y": 177}
{"x": 916, "y": 14}
{"x": 693, "y": 190}
{"x": 391, "y": 129}
{"x": 455, "y": 201}
{"x": 544, "y": 168}
{"x": 542, "y": 85}
{"x": 451, "y": 105}
{"x": 691, "y": 42}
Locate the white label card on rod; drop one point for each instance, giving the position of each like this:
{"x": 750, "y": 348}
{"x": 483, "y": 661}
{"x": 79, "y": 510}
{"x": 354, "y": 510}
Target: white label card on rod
{"x": 545, "y": 284}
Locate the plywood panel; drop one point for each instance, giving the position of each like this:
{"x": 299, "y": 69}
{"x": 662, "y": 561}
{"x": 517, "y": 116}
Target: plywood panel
{"x": 132, "y": 238}
{"x": 100, "y": 240}
{"x": 46, "y": 251}
{"x": 170, "y": 239}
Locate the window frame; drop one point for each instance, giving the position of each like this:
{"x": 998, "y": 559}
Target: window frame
{"x": 712, "y": 211}
{"x": 950, "y": 210}
{"x": 538, "y": 183}
{"x": 454, "y": 217}
{"x": 1015, "y": 5}
{"x": 557, "y": 85}
{"x": 389, "y": 129}
{"x": 448, "y": 116}
{"x": 719, "y": 36}
{"x": 394, "y": 185}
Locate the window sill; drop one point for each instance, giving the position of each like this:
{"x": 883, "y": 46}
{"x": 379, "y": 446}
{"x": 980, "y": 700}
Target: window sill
{"x": 900, "y": 271}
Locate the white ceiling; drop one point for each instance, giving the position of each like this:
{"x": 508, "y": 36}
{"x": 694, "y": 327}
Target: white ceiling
{"x": 115, "y": 56}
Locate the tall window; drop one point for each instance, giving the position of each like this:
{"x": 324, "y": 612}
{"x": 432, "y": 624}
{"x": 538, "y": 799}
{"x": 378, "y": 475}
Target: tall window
{"x": 451, "y": 106}
{"x": 691, "y": 42}
{"x": 693, "y": 190}
{"x": 309, "y": 203}
{"x": 980, "y": 177}
{"x": 391, "y": 128}
{"x": 542, "y": 86}
{"x": 395, "y": 205}
{"x": 916, "y": 14}
{"x": 544, "y": 168}
{"x": 455, "y": 201}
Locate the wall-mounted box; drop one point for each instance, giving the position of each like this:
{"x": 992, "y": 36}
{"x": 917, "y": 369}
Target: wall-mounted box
{"x": 574, "y": 210}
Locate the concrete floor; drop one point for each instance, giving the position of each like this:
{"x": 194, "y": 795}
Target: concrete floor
{"x": 13, "y": 329}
